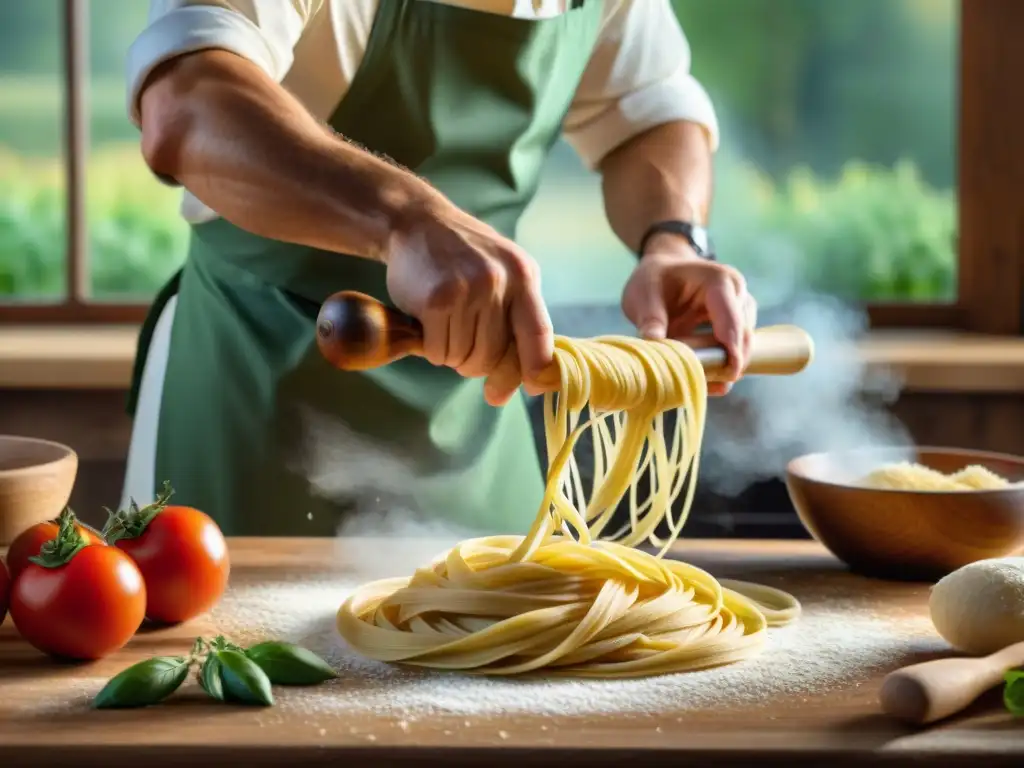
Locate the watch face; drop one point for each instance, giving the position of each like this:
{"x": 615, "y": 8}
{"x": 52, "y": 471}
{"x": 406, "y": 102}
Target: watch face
{"x": 696, "y": 235}
{"x": 701, "y": 240}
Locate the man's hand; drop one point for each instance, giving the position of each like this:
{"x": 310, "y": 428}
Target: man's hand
{"x": 672, "y": 291}
{"x": 247, "y": 148}
{"x": 477, "y": 295}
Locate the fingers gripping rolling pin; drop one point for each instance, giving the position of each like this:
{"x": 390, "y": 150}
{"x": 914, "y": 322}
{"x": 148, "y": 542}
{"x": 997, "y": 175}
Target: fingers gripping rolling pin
{"x": 356, "y": 332}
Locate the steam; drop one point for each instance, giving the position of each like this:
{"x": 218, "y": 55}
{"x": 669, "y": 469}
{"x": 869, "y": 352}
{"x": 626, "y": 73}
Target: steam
{"x": 404, "y": 540}
{"x": 340, "y": 462}
{"x": 374, "y": 482}
{"x": 836, "y": 404}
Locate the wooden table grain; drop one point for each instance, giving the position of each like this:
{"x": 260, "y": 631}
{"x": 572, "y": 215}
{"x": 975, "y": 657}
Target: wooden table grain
{"x": 39, "y": 727}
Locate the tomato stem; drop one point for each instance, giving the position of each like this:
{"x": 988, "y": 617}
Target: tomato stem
{"x": 68, "y": 542}
{"x": 132, "y": 522}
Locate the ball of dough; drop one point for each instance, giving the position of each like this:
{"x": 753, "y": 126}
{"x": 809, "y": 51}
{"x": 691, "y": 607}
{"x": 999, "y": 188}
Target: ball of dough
{"x": 979, "y": 608}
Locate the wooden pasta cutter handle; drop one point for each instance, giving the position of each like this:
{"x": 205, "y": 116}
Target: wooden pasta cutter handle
{"x": 357, "y": 332}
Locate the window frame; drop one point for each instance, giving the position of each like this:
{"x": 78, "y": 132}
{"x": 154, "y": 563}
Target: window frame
{"x": 990, "y": 275}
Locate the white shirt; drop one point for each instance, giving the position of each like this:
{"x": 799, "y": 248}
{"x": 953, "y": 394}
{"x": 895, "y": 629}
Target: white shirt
{"x": 638, "y": 76}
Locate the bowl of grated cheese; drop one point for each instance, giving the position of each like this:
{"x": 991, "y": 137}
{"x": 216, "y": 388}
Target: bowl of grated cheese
{"x": 910, "y": 514}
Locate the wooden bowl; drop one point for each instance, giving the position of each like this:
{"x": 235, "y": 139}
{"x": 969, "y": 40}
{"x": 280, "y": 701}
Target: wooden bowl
{"x": 36, "y": 478}
{"x": 907, "y": 535}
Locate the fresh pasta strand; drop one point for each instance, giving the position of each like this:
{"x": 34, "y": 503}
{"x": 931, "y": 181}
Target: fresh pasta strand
{"x": 565, "y": 599}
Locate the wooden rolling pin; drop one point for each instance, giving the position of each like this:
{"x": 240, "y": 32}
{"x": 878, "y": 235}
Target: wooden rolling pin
{"x": 933, "y": 690}
{"x": 357, "y": 332}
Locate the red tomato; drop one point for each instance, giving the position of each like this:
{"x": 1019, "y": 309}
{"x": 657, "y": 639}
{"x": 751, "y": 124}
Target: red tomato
{"x": 184, "y": 560}
{"x": 30, "y": 541}
{"x": 5, "y": 591}
{"x": 85, "y": 609}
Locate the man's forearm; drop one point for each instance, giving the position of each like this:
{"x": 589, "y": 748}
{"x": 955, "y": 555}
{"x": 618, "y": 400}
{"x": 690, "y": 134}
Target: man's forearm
{"x": 246, "y": 148}
{"x": 664, "y": 173}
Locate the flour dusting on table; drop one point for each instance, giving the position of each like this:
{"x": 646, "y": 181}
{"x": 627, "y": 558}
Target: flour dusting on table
{"x": 834, "y": 646}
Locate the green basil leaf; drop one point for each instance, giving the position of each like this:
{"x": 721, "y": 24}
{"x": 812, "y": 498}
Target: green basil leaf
{"x": 1013, "y": 692}
{"x": 288, "y": 664}
{"x": 148, "y": 682}
{"x": 210, "y": 679}
{"x": 244, "y": 682}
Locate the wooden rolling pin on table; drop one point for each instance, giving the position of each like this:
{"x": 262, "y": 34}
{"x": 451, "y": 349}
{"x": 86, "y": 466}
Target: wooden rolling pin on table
{"x": 357, "y": 332}
{"x": 934, "y": 690}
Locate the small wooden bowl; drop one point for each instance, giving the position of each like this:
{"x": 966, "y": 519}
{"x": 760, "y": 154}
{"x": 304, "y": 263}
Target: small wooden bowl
{"x": 36, "y": 478}
{"x": 907, "y": 535}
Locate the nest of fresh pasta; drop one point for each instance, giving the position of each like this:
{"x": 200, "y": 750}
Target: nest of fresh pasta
{"x": 571, "y": 596}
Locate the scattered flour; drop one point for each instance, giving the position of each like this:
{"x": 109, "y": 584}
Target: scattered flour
{"x": 838, "y": 644}
{"x": 835, "y": 646}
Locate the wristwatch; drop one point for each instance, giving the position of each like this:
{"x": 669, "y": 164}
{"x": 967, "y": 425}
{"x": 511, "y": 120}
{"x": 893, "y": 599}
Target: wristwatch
{"x": 694, "y": 234}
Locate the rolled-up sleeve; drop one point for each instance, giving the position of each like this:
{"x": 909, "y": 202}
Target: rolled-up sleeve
{"x": 262, "y": 31}
{"x": 638, "y": 77}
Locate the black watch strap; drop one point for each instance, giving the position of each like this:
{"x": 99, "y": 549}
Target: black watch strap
{"x": 696, "y": 235}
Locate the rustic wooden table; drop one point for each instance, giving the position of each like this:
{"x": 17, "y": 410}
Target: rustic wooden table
{"x": 45, "y": 718}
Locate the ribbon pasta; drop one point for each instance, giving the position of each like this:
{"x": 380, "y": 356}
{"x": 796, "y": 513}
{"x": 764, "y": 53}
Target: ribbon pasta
{"x": 568, "y": 598}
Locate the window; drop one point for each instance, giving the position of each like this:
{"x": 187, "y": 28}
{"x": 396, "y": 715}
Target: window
{"x": 33, "y": 210}
{"x": 86, "y": 233}
{"x": 136, "y": 237}
{"x": 870, "y": 150}
{"x": 837, "y": 167}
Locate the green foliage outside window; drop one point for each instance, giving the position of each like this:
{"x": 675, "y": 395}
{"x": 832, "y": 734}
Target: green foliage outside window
{"x": 837, "y": 168}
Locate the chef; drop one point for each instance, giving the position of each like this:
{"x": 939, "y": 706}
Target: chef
{"x": 390, "y": 147}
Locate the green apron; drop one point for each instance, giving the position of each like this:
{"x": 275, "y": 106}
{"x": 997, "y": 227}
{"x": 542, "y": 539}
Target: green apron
{"x": 255, "y": 428}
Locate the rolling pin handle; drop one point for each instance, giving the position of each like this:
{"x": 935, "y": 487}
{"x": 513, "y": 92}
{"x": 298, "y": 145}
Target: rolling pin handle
{"x": 934, "y": 690}
{"x": 356, "y": 332}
